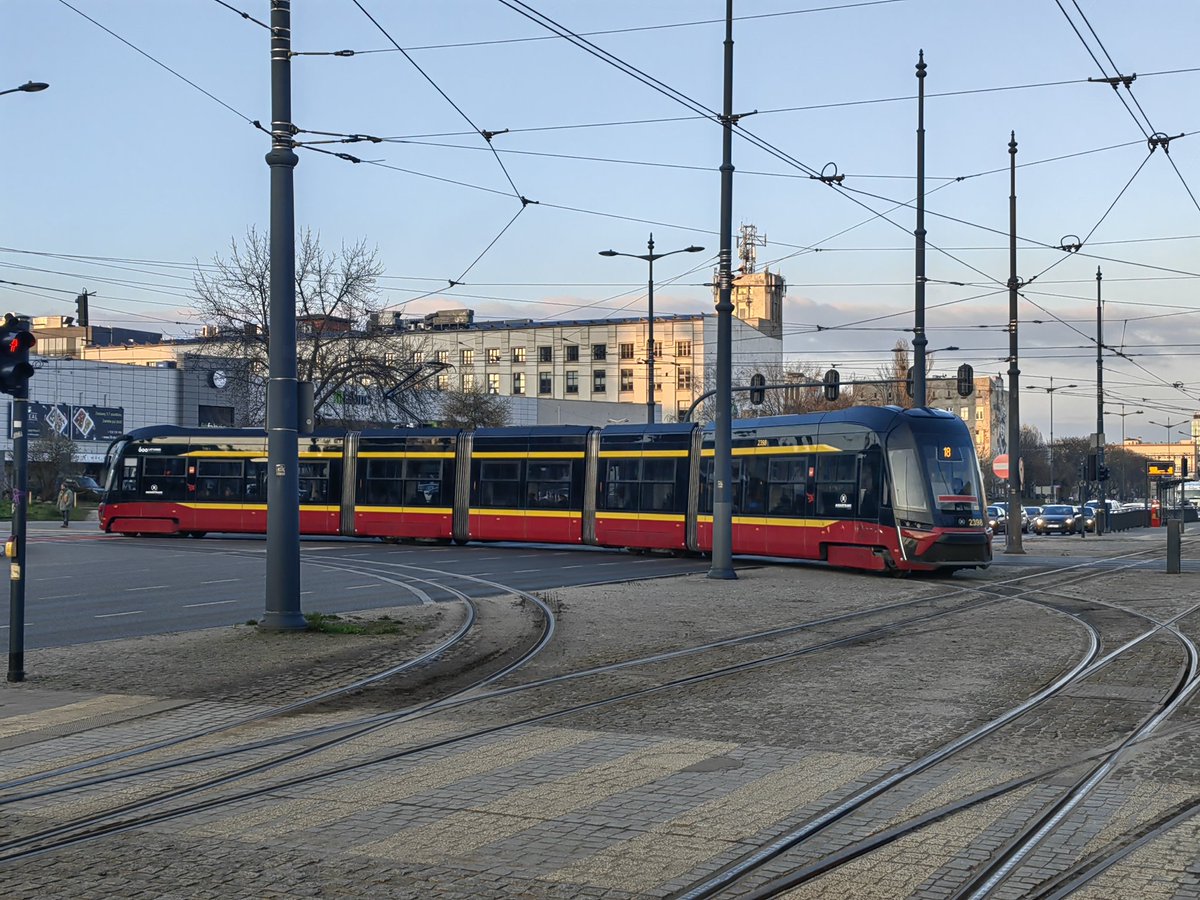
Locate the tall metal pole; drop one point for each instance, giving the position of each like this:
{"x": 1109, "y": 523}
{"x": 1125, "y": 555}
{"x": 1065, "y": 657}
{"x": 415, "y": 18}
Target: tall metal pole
{"x": 1102, "y": 509}
{"x": 283, "y": 458}
{"x": 650, "y": 334}
{"x": 20, "y": 500}
{"x": 1012, "y": 536}
{"x": 920, "y": 342}
{"x": 722, "y": 532}
{"x": 1053, "y": 481}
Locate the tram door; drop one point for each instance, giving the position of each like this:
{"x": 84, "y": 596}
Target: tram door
{"x": 869, "y": 496}
{"x": 750, "y": 504}
{"x": 790, "y": 499}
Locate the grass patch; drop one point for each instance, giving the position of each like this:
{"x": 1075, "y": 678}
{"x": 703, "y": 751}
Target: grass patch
{"x": 326, "y": 623}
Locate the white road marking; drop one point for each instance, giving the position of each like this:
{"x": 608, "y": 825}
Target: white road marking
{"x": 153, "y": 587}
{"x": 61, "y": 597}
{"x": 209, "y": 603}
{"x": 571, "y": 567}
{"x": 358, "y": 587}
{"x": 52, "y": 578}
{"x": 221, "y": 581}
{"x": 27, "y": 624}
{"x": 132, "y": 612}
{"x": 523, "y": 571}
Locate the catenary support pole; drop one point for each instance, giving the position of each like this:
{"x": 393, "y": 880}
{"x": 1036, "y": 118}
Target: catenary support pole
{"x": 1012, "y": 536}
{"x": 920, "y": 341}
{"x": 283, "y": 478}
{"x": 1102, "y": 508}
{"x": 650, "y": 333}
{"x": 722, "y": 529}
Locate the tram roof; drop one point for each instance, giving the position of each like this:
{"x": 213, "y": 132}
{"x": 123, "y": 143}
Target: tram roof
{"x": 877, "y": 418}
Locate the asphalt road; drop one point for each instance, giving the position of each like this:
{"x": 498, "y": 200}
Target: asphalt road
{"x": 82, "y": 585}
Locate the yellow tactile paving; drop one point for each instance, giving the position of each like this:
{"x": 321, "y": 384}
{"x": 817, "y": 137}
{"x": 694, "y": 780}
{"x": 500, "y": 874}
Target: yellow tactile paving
{"x": 71, "y": 713}
{"x": 333, "y": 800}
{"x": 464, "y": 831}
{"x": 960, "y": 785}
{"x": 679, "y": 845}
{"x": 898, "y": 869}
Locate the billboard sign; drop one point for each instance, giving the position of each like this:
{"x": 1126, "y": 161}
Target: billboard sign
{"x": 1157, "y": 468}
{"x": 78, "y": 423}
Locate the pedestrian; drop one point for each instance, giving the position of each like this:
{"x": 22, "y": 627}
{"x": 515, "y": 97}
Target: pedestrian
{"x": 66, "y": 503}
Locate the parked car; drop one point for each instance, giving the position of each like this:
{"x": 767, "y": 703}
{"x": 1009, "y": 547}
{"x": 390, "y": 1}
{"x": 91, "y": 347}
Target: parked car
{"x": 1056, "y": 519}
{"x": 996, "y": 519}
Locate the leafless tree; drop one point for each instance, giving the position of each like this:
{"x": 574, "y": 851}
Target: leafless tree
{"x": 472, "y": 408}
{"x": 362, "y": 372}
{"x": 51, "y": 460}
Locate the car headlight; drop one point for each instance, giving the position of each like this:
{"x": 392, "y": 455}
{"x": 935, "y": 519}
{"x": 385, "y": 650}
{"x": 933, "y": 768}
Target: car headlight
{"x": 1040, "y": 521}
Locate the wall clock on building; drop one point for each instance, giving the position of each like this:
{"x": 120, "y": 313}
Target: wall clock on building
{"x": 218, "y": 379}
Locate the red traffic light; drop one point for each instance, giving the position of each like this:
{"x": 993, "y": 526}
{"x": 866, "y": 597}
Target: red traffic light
{"x": 20, "y": 340}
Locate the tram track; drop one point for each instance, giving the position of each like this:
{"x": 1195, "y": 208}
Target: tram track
{"x": 70, "y": 833}
{"x": 998, "y": 868}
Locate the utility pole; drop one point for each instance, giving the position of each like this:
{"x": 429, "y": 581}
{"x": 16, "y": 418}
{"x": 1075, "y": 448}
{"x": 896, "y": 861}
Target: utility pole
{"x": 1012, "y": 536}
{"x": 283, "y": 456}
{"x": 722, "y": 527}
{"x": 1102, "y": 509}
{"x": 920, "y": 397}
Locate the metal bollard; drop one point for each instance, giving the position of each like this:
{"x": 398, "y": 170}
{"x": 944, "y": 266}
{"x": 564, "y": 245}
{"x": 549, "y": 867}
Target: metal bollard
{"x": 1174, "y": 540}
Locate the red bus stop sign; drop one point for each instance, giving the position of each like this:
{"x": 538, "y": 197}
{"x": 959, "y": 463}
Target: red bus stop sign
{"x": 1000, "y": 466}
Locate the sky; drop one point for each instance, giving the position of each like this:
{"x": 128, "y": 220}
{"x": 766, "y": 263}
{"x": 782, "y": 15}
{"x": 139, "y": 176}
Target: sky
{"x": 141, "y": 162}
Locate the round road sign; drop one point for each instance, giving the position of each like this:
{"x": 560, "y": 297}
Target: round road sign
{"x": 1000, "y": 465}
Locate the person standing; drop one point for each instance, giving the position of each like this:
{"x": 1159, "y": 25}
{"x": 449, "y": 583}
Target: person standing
{"x": 66, "y": 503}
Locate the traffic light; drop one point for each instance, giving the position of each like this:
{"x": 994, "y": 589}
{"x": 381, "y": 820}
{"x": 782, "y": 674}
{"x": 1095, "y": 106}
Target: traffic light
{"x": 1184, "y": 460}
{"x": 1090, "y": 473}
{"x": 1102, "y": 472}
{"x": 81, "y": 310}
{"x": 966, "y": 380}
{"x": 15, "y": 342}
{"x": 758, "y": 392}
{"x": 833, "y": 381}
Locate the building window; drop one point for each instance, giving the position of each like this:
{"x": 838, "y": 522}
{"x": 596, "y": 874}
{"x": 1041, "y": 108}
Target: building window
{"x": 599, "y": 351}
{"x": 683, "y": 348}
{"x": 626, "y": 383}
{"x": 657, "y": 349}
{"x": 965, "y": 413}
{"x": 418, "y": 357}
{"x": 494, "y": 383}
{"x": 518, "y": 383}
{"x": 518, "y": 354}
{"x": 979, "y": 414}
{"x": 683, "y": 378}
{"x": 681, "y": 409}
{"x": 572, "y": 353}
{"x": 468, "y": 382}
{"x": 442, "y": 356}
{"x": 545, "y": 354}
{"x": 572, "y": 382}
{"x": 443, "y": 382}
{"x": 493, "y": 354}
{"x": 545, "y": 383}
{"x": 627, "y": 351}
{"x": 391, "y": 357}
{"x": 468, "y": 357}
{"x": 598, "y": 381}
{"x": 215, "y": 416}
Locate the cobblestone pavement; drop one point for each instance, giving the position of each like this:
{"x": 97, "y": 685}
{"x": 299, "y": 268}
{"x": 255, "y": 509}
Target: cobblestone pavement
{"x": 641, "y": 798}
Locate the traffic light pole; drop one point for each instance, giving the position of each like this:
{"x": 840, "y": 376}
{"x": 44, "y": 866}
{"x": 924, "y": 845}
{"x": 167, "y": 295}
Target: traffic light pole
{"x": 20, "y": 501}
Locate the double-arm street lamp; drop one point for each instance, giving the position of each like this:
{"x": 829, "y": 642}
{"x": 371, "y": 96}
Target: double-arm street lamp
{"x": 650, "y": 256}
{"x": 1170, "y": 426}
{"x": 1123, "y": 414}
{"x": 29, "y": 87}
{"x": 1050, "y": 390}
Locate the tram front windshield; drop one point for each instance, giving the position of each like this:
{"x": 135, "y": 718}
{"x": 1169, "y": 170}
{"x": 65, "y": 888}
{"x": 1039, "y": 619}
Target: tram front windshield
{"x": 937, "y": 482}
{"x": 953, "y": 478}
{"x": 109, "y": 481}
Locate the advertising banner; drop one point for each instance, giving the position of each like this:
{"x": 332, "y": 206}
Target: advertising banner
{"x": 79, "y": 423}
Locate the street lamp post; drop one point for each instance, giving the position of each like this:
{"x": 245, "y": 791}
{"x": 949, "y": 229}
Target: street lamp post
{"x": 650, "y": 256}
{"x": 29, "y": 87}
{"x": 20, "y": 415}
{"x": 1050, "y": 390}
{"x": 1123, "y": 414}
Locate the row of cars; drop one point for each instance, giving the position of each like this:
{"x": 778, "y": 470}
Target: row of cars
{"x": 1057, "y": 518}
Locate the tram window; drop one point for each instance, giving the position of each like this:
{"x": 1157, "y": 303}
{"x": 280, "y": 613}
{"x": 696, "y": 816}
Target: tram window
{"x": 787, "y": 486}
{"x": 837, "y": 487}
{"x": 500, "y": 483}
{"x": 256, "y": 482}
{"x": 384, "y": 482}
{"x": 422, "y": 482}
{"x": 549, "y": 485}
{"x": 868, "y": 485}
{"x": 908, "y": 487}
{"x": 129, "y": 476}
{"x": 621, "y": 484}
{"x": 755, "y": 484}
{"x": 314, "y": 481}
{"x": 658, "y": 485}
{"x": 219, "y": 479}
{"x": 164, "y": 477}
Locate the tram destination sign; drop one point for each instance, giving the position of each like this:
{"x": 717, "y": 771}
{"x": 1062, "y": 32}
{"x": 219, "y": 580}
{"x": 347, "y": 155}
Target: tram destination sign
{"x": 78, "y": 423}
{"x": 1159, "y": 468}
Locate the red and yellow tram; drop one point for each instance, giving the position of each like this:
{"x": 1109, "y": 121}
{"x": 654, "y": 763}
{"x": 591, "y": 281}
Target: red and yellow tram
{"x": 867, "y": 488}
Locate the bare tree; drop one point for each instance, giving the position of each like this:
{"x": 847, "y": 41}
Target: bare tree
{"x": 473, "y": 408}
{"x": 362, "y": 372}
{"x": 51, "y": 460}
